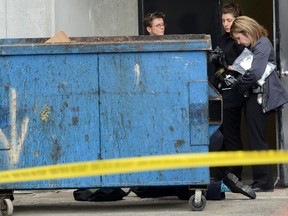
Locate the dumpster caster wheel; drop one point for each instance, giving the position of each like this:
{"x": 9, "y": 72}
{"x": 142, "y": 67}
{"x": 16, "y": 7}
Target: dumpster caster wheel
{"x": 197, "y": 202}
{"x": 6, "y": 207}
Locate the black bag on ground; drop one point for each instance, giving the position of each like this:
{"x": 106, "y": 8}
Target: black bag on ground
{"x": 153, "y": 192}
{"x": 99, "y": 194}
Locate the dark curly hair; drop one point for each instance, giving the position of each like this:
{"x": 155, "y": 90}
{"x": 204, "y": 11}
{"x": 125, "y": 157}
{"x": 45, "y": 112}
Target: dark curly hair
{"x": 232, "y": 8}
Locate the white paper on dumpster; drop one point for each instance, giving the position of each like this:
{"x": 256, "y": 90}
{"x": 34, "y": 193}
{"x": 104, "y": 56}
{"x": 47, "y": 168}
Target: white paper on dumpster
{"x": 244, "y": 62}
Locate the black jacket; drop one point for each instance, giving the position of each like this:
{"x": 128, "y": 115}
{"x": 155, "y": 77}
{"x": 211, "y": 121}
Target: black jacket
{"x": 231, "y": 51}
{"x": 230, "y": 48}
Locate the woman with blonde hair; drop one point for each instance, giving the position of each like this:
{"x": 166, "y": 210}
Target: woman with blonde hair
{"x": 260, "y": 100}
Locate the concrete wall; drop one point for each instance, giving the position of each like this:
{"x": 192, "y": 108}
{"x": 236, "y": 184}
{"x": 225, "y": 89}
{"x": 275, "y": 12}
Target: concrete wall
{"x": 29, "y": 18}
{"x": 2, "y": 18}
{"x": 97, "y": 17}
{"x": 44, "y": 18}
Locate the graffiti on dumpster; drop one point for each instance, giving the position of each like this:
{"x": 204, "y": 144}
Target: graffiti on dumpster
{"x": 44, "y": 114}
{"x": 14, "y": 143}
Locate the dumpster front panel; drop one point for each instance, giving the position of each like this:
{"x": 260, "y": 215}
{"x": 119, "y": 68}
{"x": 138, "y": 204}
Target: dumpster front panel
{"x": 146, "y": 110}
{"x": 50, "y": 106}
{"x": 102, "y": 98}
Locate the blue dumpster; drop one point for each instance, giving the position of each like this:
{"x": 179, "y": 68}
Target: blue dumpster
{"x": 99, "y": 98}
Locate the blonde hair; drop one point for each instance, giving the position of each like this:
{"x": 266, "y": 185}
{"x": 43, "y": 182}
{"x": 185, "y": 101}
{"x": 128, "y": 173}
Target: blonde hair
{"x": 249, "y": 27}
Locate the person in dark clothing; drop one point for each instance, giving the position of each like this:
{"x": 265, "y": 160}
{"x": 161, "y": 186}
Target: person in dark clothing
{"x": 230, "y": 129}
{"x": 232, "y": 100}
{"x": 260, "y": 100}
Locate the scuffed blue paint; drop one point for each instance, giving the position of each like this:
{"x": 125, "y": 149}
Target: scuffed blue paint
{"x": 102, "y": 98}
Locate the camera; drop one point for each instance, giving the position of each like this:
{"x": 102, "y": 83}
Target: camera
{"x": 216, "y": 55}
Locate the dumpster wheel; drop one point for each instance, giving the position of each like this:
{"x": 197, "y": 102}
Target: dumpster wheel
{"x": 197, "y": 201}
{"x": 6, "y": 207}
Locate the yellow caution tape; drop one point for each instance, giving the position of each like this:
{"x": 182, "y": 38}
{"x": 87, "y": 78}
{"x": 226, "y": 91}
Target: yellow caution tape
{"x": 140, "y": 164}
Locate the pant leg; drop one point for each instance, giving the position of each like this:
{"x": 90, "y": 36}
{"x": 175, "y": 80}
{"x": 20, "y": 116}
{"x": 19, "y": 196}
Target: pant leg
{"x": 231, "y": 129}
{"x": 216, "y": 144}
{"x": 256, "y": 130}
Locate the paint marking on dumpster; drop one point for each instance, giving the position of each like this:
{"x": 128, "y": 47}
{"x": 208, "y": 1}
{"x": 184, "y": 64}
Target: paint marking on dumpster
{"x": 15, "y": 142}
{"x": 141, "y": 164}
{"x": 137, "y": 74}
{"x": 186, "y": 63}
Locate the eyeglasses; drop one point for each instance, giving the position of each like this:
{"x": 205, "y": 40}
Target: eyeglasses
{"x": 160, "y": 25}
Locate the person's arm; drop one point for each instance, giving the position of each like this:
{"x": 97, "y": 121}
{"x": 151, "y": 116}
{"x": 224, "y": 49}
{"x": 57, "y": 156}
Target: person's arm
{"x": 261, "y": 52}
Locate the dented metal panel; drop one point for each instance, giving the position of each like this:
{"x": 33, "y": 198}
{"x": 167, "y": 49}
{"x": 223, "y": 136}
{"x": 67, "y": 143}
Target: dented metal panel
{"x": 53, "y": 106}
{"x": 101, "y": 98}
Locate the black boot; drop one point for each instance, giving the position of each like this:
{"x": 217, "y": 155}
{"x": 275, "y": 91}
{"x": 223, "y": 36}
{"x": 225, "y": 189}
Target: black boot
{"x": 236, "y": 186}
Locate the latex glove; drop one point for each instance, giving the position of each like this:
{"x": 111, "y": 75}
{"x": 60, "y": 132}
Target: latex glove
{"x": 229, "y": 80}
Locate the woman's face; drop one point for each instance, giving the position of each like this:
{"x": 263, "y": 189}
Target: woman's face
{"x": 242, "y": 39}
{"x": 157, "y": 28}
{"x": 227, "y": 21}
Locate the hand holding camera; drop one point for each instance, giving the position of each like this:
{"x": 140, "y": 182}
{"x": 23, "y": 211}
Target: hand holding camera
{"x": 217, "y": 56}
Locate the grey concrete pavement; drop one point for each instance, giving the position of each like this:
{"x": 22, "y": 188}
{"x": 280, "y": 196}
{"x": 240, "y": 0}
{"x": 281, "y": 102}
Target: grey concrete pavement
{"x": 62, "y": 203}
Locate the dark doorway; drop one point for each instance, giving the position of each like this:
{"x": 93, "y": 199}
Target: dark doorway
{"x": 185, "y": 16}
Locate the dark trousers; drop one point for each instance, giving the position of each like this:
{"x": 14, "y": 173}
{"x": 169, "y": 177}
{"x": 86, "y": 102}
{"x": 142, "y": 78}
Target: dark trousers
{"x": 256, "y": 130}
{"x": 231, "y": 131}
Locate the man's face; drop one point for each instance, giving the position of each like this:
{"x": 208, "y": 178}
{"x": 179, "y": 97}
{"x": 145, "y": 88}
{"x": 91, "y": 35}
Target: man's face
{"x": 157, "y": 28}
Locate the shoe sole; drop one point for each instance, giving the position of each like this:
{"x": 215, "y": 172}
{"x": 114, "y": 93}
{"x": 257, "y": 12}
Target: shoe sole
{"x": 258, "y": 190}
{"x": 236, "y": 186}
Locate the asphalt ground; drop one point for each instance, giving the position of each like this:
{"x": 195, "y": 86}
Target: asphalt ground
{"x": 61, "y": 202}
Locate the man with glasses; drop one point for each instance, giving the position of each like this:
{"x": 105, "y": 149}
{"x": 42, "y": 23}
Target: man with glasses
{"x": 154, "y": 23}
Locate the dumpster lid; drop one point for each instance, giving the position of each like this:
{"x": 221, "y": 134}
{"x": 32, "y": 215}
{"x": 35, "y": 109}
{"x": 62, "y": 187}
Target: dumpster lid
{"x": 143, "y": 43}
